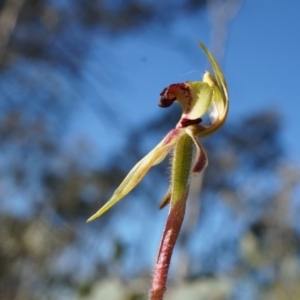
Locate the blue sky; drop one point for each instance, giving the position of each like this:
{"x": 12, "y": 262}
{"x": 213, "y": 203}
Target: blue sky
{"x": 261, "y": 62}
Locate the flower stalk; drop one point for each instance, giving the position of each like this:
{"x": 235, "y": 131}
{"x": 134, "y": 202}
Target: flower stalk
{"x": 170, "y": 235}
{"x": 181, "y": 165}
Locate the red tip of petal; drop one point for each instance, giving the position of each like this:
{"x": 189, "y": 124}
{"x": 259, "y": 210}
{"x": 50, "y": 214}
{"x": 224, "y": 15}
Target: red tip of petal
{"x": 168, "y": 95}
{"x": 165, "y": 99}
{"x": 201, "y": 163}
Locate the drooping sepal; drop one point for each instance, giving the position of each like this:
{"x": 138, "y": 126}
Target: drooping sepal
{"x": 200, "y": 159}
{"x": 140, "y": 169}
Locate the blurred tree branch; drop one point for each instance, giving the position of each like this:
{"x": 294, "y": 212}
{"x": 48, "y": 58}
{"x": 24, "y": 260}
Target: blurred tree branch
{"x": 8, "y": 18}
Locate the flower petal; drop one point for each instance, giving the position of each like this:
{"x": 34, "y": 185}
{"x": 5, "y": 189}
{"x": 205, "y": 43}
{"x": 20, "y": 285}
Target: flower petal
{"x": 217, "y": 111}
{"x": 140, "y": 169}
{"x": 200, "y": 160}
{"x": 218, "y": 83}
{"x": 201, "y": 94}
{"x": 219, "y": 104}
{"x": 220, "y": 80}
{"x": 179, "y": 92}
{"x": 194, "y": 97}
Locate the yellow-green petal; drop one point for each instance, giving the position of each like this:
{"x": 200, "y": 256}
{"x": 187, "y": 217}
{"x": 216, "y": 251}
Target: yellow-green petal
{"x": 221, "y": 82}
{"x": 218, "y": 109}
{"x": 139, "y": 170}
{"x": 201, "y": 100}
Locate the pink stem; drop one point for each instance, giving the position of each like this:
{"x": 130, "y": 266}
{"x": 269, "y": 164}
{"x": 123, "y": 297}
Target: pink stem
{"x": 171, "y": 232}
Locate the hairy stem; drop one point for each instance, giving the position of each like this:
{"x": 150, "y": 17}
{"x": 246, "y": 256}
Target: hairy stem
{"x": 181, "y": 165}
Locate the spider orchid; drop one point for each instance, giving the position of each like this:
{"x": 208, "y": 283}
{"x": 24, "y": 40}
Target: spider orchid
{"x": 196, "y": 98}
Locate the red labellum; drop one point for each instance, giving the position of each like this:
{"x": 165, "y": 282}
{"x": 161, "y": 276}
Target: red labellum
{"x": 169, "y": 94}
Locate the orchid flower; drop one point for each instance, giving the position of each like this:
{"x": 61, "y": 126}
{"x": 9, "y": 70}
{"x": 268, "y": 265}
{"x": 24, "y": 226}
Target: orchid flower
{"x": 196, "y": 98}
